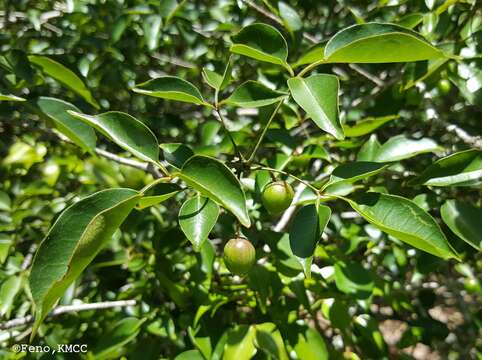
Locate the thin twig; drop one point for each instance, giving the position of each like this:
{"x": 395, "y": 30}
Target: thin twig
{"x": 261, "y": 136}
{"x": 68, "y": 309}
{"x": 220, "y": 117}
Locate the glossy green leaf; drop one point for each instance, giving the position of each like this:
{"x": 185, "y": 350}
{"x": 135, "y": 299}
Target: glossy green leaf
{"x": 367, "y": 126}
{"x": 240, "y": 343}
{"x": 80, "y": 133}
{"x": 314, "y": 54}
{"x": 8, "y": 292}
{"x": 176, "y": 154}
{"x": 261, "y": 42}
{"x": 197, "y": 218}
{"x": 464, "y": 221}
{"x": 354, "y": 171}
{"x": 10, "y": 97}
{"x": 72, "y": 242}
{"x": 252, "y": 94}
{"x": 400, "y": 147}
{"x": 352, "y": 278}
{"x": 310, "y": 345}
{"x": 378, "y": 43}
{"x": 268, "y": 339}
{"x": 63, "y": 75}
{"x": 171, "y": 88}
{"x": 111, "y": 343}
{"x": 126, "y": 131}
{"x": 214, "y": 180}
{"x": 157, "y": 194}
{"x": 405, "y": 220}
{"x": 463, "y": 168}
{"x": 305, "y": 232}
{"x": 5, "y": 244}
{"x": 318, "y": 96}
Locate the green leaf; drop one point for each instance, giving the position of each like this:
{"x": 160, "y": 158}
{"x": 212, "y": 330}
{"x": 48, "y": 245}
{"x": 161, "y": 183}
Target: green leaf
{"x": 318, "y": 96}
{"x": 378, "y": 43}
{"x": 314, "y": 54}
{"x": 352, "y": 278}
{"x": 217, "y": 81}
{"x": 126, "y": 131}
{"x": 72, "y": 242}
{"x": 369, "y": 149}
{"x": 8, "y": 292}
{"x": 400, "y": 147}
{"x": 354, "y": 171}
{"x": 190, "y": 355}
{"x": 81, "y": 134}
{"x": 16, "y": 61}
{"x": 463, "y": 168}
{"x": 214, "y": 180}
{"x": 367, "y": 126}
{"x": 404, "y": 220}
{"x": 310, "y": 345}
{"x": 464, "y": 221}
{"x": 63, "y": 75}
{"x": 197, "y": 218}
{"x": 124, "y": 331}
{"x": 252, "y": 94}
{"x": 159, "y": 193}
{"x": 305, "y": 232}
{"x": 268, "y": 339}
{"x": 239, "y": 343}
{"x": 261, "y": 42}
{"x": 171, "y": 88}
{"x": 10, "y": 97}
{"x": 291, "y": 19}
{"x": 176, "y": 154}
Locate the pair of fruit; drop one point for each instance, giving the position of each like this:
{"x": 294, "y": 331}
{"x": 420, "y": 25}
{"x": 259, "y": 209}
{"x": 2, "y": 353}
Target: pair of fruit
{"x": 239, "y": 253}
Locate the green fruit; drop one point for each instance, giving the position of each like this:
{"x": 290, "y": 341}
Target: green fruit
{"x": 472, "y": 285}
{"x": 239, "y": 256}
{"x": 444, "y": 86}
{"x": 277, "y": 196}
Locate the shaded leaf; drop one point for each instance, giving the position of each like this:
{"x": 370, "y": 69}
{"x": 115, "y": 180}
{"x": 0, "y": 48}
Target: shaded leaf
{"x": 176, "y": 154}
{"x": 291, "y": 19}
{"x": 405, "y": 220}
{"x": 464, "y": 220}
{"x": 318, "y": 96}
{"x": 171, "y": 88}
{"x": 72, "y": 242}
{"x": 369, "y": 149}
{"x": 254, "y": 94}
{"x": 126, "y": 131}
{"x": 352, "y": 278}
{"x": 463, "y": 168}
{"x": 354, "y": 171}
{"x": 197, "y": 218}
{"x": 77, "y": 131}
{"x": 64, "y": 75}
{"x": 112, "y": 341}
{"x": 367, "y": 126}
{"x": 306, "y": 230}
{"x": 239, "y": 343}
{"x": 214, "y": 180}
{"x": 268, "y": 339}
{"x": 8, "y": 292}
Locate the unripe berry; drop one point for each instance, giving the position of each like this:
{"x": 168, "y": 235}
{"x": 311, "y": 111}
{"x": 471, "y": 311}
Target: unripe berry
{"x": 239, "y": 256}
{"x": 277, "y": 196}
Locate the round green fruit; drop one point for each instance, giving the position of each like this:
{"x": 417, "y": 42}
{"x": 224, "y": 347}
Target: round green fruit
{"x": 239, "y": 256}
{"x": 277, "y": 196}
{"x": 444, "y": 86}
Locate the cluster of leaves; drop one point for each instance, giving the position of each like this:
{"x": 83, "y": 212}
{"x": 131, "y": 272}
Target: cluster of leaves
{"x": 137, "y": 140}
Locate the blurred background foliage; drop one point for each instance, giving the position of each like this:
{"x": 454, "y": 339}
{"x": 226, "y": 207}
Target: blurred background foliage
{"x": 371, "y": 296}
